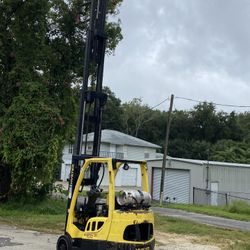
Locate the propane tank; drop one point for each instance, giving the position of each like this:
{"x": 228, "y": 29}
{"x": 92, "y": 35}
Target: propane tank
{"x": 134, "y": 198}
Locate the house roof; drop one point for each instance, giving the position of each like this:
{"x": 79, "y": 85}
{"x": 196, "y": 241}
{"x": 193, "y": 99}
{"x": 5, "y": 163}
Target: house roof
{"x": 119, "y": 138}
{"x": 204, "y": 162}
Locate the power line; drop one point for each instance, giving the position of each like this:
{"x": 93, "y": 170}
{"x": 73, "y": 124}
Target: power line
{"x": 216, "y": 104}
{"x": 198, "y": 101}
{"x": 159, "y": 103}
{"x": 151, "y": 108}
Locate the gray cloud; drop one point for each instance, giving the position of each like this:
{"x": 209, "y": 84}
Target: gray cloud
{"x": 197, "y": 49}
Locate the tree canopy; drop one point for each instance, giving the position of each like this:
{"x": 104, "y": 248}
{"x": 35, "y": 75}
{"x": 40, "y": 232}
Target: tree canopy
{"x": 41, "y": 57}
{"x": 31, "y": 142}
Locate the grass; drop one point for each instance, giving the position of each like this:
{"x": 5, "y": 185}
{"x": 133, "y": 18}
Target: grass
{"x": 238, "y": 210}
{"x": 45, "y": 216}
{"x": 49, "y": 216}
{"x": 226, "y": 238}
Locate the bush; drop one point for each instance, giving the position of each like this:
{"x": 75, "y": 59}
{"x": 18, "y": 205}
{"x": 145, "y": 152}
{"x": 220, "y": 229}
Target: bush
{"x": 239, "y": 207}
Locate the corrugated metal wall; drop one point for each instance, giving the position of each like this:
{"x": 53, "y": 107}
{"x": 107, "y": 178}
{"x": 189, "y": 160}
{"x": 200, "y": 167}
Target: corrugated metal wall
{"x": 234, "y": 180}
{"x": 230, "y": 179}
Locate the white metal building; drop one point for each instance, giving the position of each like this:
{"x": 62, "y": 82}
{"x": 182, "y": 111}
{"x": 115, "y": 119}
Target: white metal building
{"x": 183, "y": 175}
{"x": 116, "y": 145}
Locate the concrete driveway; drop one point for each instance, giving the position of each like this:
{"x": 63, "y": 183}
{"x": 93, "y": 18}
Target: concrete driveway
{"x": 19, "y": 239}
{"x": 12, "y": 238}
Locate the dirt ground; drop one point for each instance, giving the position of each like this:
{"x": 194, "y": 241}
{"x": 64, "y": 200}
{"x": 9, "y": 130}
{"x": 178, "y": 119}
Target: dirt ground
{"x": 12, "y": 238}
{"x": 166, "y": 241}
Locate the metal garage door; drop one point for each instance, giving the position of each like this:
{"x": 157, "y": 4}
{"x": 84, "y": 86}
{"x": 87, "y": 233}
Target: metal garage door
{"x": 176, "y": 186}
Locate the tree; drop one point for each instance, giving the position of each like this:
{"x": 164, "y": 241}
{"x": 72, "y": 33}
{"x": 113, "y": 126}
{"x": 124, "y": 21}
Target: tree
{"x": 205, "y": 122}
{"x": 22, "y": 32}
{"x": 231, "y": 151}
{"x": 22, "y": 38}
{"x": 181, "y": 126}
{"x": 41, "y": 44}
{"x": 179, "y": 148}
{"x": 190, "y": 149}
{"x": 154, "y": 129}
{"x": 135, "y": 116}
{"x": 45, "y": 40}
{"x": 113, "y": 113}
{"x": 32, "y": 140}
{"x": 243, "y": 121}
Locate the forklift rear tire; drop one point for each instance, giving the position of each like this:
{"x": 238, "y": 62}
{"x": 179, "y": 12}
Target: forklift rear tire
{"x": 64, "y": 243}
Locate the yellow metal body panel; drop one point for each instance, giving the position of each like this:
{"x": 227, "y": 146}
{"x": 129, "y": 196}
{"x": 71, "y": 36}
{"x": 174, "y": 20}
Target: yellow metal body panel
{"x": 122, "y": 219}
{"x": 114, "y": 224}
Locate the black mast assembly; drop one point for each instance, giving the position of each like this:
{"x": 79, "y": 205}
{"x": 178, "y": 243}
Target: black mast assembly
{"x": 92, "y": 99}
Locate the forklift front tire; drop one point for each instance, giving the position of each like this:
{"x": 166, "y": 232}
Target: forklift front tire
{"x": 64, "y": 243}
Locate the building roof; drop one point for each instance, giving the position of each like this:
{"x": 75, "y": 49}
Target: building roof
{"x": 204, "y": 162}
{"x": 119, "y": 138}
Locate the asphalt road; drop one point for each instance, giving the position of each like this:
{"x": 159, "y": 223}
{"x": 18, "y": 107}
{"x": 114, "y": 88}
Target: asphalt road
{"x": 204, "y": 219}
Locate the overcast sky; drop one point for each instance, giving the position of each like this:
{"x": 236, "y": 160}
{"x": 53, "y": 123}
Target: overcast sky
{"x": 198, "y": 49}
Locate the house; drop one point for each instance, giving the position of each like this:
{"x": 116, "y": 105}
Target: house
{"x": 118, "y": 145}
{"x": 199, "y": 181}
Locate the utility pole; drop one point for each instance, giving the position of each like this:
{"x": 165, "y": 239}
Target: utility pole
{"x": 166, "y": 149}
{"x": 207, "y": 168}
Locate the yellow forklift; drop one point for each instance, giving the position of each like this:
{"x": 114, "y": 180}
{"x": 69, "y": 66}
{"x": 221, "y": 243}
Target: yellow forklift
{"x": 98, "y": 218}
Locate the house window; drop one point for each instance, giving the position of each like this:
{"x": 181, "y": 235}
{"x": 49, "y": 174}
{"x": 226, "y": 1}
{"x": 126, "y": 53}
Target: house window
{"x": 146, "y": 155}
{"x": 70, "y": 149}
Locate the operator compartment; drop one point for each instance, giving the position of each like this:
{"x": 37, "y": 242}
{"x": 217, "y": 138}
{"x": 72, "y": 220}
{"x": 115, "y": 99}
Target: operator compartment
{"x": 91, "y": 208}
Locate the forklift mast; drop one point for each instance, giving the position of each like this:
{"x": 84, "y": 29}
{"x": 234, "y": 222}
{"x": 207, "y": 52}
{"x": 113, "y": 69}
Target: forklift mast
{"x": 93, "y": 61}
{"x": 92, "y": 100}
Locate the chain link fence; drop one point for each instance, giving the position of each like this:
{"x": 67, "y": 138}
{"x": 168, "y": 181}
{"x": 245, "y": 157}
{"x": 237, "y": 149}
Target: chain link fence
{"x": 208, "y": 197}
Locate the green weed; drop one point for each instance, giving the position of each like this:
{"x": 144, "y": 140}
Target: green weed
{"x": 239, "y": 207}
